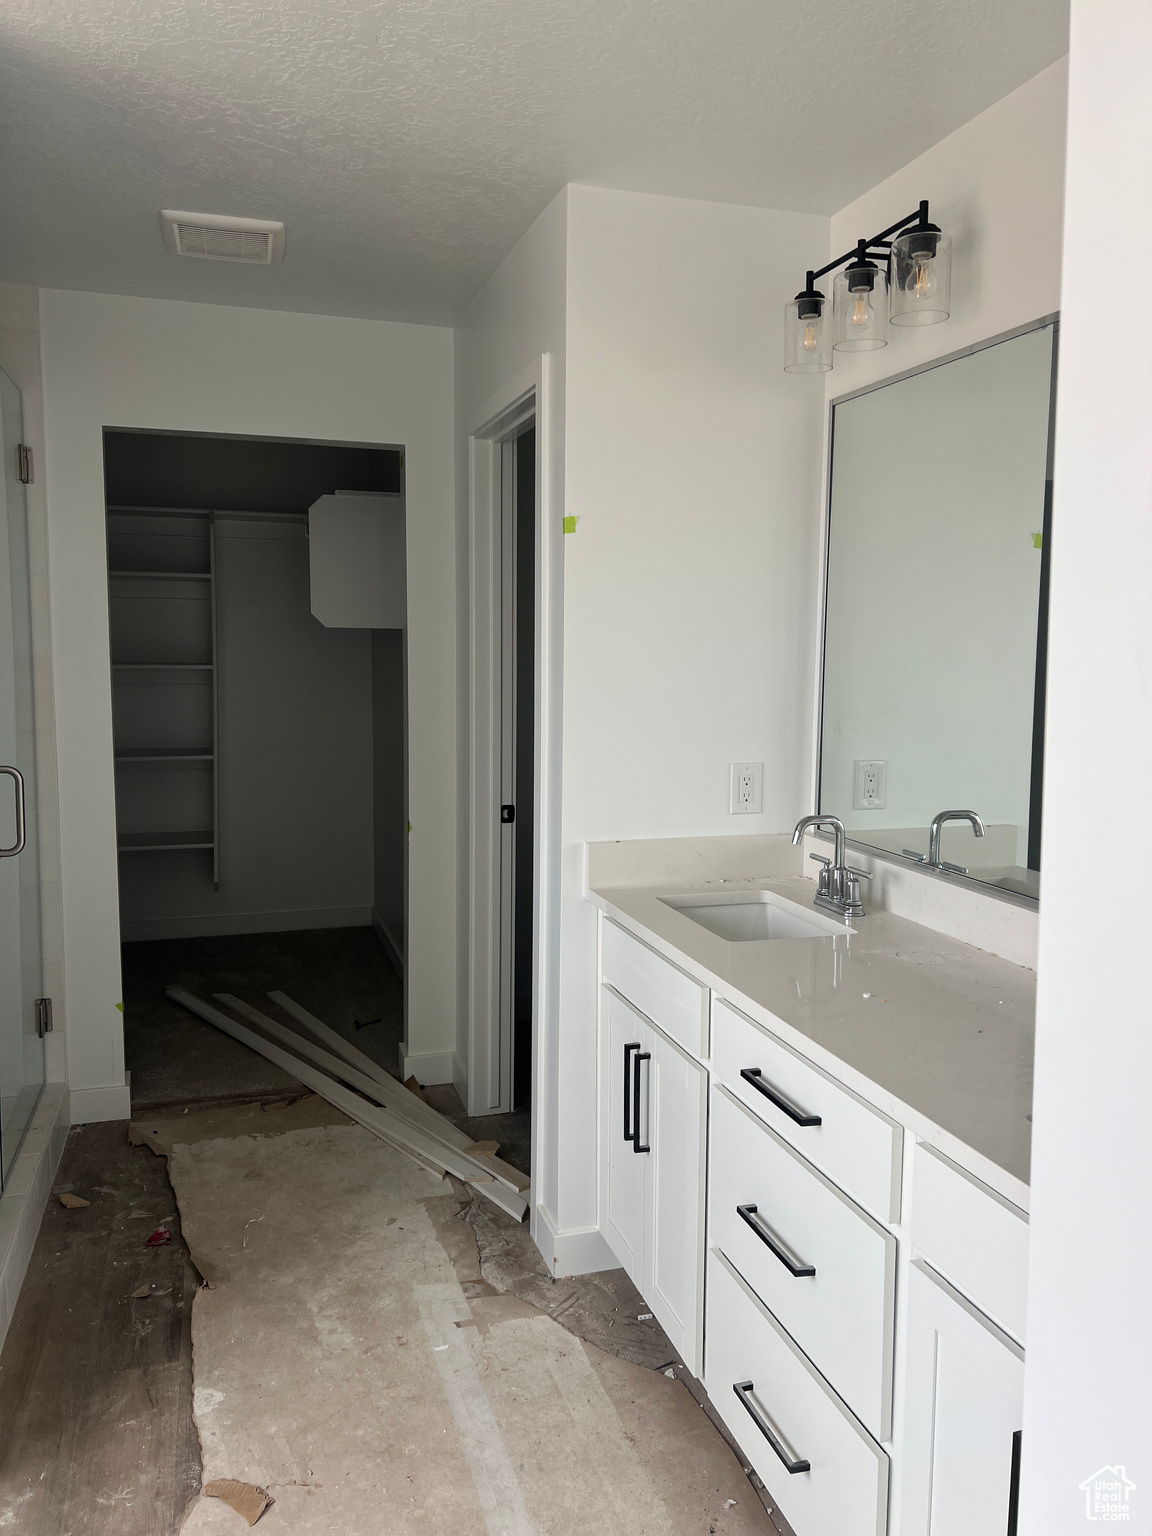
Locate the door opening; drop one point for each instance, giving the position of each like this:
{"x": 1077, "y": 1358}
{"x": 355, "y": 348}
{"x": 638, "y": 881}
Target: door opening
{"x": 257, "y": 633}
{"x": 517, "y": 753}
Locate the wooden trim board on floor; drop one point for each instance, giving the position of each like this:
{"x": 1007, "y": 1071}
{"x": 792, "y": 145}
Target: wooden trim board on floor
{"x": 385, "y": 1123}
{"x": 394, "y": 1095}
{"x": 388, "y": 1093}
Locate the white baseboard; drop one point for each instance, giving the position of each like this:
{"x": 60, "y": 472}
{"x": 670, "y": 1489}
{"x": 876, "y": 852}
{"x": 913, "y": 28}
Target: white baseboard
{"x": 218, "y": 926}
{"x": 87, "y": 1105}
{"x": 433, "y": 1067}
{"x": 26, "y": 1194}
{"x": 460, "y": 1077}
{"x": 581, "y": 1251}
{"x": 387, "y": 938}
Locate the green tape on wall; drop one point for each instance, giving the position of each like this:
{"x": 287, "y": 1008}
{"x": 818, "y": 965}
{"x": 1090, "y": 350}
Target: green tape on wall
{"x": 570, "y": 524}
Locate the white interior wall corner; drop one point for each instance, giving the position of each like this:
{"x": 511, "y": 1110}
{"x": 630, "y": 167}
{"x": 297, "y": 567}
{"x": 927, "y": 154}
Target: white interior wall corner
{"x": 1087, "y": 1403}
{"x": 111, "y": 361}
{"x": 692, "y": 462}
{"x": 518, "y": 318}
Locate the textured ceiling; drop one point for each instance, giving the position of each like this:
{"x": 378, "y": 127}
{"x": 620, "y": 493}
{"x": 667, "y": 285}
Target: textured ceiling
{"x": 408, "y": 144}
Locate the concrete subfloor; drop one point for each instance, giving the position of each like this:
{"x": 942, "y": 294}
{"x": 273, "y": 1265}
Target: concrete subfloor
{"x": 371, "y": 1377}
{"x": 96, "y": 1428}
{"x": 96, "y": 1431}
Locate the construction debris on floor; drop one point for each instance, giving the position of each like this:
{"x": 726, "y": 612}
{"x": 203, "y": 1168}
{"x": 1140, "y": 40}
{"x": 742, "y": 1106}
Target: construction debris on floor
{"x": 380, "y": 1104}
{"x": 353, "y": 1364}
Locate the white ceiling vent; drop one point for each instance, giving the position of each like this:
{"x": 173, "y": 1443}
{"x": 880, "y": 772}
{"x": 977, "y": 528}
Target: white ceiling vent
{"x": 216, "y": 237}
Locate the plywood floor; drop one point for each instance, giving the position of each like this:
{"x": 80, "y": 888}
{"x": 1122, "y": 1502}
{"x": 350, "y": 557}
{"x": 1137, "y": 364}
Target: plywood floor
{"x": 96, "y": 1431}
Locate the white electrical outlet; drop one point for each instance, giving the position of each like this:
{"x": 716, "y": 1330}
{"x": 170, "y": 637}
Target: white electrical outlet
{"x": 871, "y": 784}
{"x": 746, "y": 793}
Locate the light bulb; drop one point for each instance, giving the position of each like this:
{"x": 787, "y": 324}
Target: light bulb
{"x": 922, "y": 275}
{"x": 860, "y": 310}
{"x": 811, "y": 336}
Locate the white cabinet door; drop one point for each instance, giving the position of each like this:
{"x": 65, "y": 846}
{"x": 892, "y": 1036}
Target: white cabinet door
{"x": 673, "y": 1120}
{"x": 624, "y": 1036}
{"x": 965, "y": 1392}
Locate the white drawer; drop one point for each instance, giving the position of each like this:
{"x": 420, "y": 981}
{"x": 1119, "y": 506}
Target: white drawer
{"x": 657, "y": 988}
{"x": 972, "y": 1236}
{"x": 844, "y": 1489}
{"x": 856, "y": 1146}
{"x": 842, "y": 1315}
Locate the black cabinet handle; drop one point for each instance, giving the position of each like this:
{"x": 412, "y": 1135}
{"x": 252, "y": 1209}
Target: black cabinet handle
{"x": 1014, "y": 1485}
{"x": 752, "y": 1075}
{"x": 748, "y": 1213}
{"x": 791, "y": 1463}
{"x": 636, "y": 1144}
{"x": 629, "y": 1134}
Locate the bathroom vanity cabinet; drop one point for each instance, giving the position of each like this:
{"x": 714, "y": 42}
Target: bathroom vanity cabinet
{"x": 851, "y": 1297}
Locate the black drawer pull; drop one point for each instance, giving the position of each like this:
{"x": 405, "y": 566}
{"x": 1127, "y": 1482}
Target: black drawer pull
{"x": 748, "y": 1213}
{"x": 629, "y": 1134}
{"x": 791, "y": 1463}
{"x": 752, "y": 1075}
{"x": 637, "y": 1146}
{"x": 1014, "y": 1485}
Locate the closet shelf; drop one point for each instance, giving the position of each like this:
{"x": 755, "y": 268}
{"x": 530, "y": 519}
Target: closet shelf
{"x": 162, "y": 842}
{"x": 162, "y": 666}
{"x": 162, "y": 575}
{"x": 165, "y": 755}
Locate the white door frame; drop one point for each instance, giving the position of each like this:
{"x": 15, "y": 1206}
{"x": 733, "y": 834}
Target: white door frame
{"x": 488, "y": 1085}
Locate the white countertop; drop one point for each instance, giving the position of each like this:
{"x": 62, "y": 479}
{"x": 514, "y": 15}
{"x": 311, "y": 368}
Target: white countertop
{"x": 942, "y": 1043}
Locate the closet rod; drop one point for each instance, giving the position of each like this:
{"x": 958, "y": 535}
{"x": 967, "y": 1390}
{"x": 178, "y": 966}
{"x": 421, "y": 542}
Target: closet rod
{"x": 274, "y": 517}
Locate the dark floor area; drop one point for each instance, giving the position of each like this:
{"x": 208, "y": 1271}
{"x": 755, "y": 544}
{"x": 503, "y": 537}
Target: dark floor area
{"x": 175, "y": 1058}
{"x": 340, "y": 974}
{"x": 96, "y": 1431}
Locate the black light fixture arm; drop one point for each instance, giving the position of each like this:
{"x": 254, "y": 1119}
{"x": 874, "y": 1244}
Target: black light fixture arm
{"x": 879, "y": 245}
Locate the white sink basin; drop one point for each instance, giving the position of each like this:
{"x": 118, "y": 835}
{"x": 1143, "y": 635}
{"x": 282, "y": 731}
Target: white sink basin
{"x": 749, "y": 915}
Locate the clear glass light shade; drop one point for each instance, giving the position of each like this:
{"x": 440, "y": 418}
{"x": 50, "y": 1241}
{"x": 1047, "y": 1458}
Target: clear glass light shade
{"x": 921, "y": 277}
{"x": 860, "y": 310}
{"x": 807, "y": 336}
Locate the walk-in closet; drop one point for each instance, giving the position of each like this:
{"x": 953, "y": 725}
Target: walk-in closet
{"x": 256, "y": 624}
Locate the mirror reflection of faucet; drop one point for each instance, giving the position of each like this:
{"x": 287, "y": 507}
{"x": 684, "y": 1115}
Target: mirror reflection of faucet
{"x": 838, "y": 884}
{"x": 934, "y": 861}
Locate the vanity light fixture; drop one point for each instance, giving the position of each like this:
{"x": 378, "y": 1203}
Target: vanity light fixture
{"x": 902, "y": 276}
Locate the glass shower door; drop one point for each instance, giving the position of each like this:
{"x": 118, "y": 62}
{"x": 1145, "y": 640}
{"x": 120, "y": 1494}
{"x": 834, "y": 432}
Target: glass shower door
{"x": 21, "y": 955}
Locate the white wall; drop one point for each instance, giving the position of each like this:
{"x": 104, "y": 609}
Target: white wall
{"x": 123, "y": 362}
{"x": 997, "y": 186}
{"x": 518, "y": 318}
{"x": 1087, "y": 1398}
{"x": 693, "y": 464}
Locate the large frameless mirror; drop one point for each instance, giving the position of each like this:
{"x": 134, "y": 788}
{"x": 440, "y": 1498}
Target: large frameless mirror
{"x": 935, "y": 634}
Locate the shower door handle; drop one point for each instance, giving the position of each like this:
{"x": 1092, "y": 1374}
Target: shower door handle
{"x": 18, "y": 846}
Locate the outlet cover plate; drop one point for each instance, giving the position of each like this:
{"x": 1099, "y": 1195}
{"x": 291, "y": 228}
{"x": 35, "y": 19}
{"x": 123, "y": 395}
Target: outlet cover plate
{"x": 746, "y": 789}
{"x": 871, "y": 784}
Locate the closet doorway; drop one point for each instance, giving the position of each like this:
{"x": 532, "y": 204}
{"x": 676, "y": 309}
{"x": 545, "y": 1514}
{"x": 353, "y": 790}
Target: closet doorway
{"x": 511, "y": 812}
{"x": 256, "y": 614}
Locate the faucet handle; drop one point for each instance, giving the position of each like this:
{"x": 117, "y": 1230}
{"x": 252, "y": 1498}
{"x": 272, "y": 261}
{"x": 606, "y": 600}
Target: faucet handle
{"x": 819, "y": 858}
{"x": 861, "y": 874}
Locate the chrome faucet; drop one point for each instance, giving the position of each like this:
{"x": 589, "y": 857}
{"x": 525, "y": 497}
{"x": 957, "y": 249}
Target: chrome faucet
{"x": 934, "y": 861}
{"x": 838, "y": 884}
